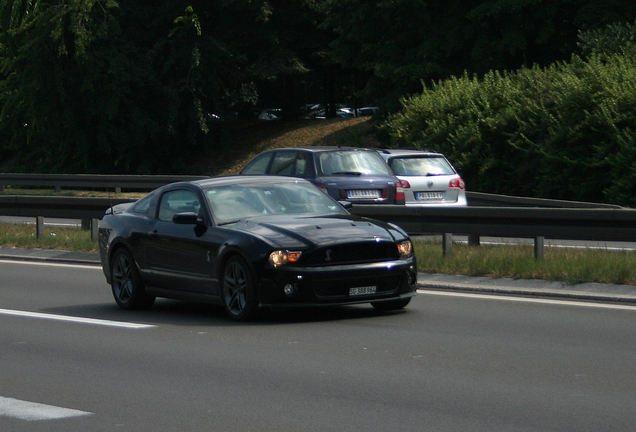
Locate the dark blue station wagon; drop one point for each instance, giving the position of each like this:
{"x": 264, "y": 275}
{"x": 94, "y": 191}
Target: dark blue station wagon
{"x": 357, "y": 175}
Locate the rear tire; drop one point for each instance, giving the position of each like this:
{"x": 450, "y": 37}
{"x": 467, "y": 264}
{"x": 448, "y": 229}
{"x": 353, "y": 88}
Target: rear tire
{"x": 128, "y": 288}
{"x": 239, "y": 292}
{"x": 391, "y": 305}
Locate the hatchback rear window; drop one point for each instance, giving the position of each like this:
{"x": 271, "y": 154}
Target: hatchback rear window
{"x": 421, "y": 166}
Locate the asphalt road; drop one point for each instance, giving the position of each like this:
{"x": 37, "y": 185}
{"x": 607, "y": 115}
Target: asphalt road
{"x": 449, "y": 362}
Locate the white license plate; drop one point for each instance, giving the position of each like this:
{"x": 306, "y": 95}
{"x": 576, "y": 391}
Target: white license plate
{"x": 362, "y": 290}
{"x": 363, "y": 193}
{"x": 429, "y": 195}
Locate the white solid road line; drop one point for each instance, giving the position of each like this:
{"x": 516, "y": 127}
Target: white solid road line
{"x": 30, "y": 411}
{"x": 528, "y": 300}
{"x": 50, "y": 263}
{"x": 64, "y": 318}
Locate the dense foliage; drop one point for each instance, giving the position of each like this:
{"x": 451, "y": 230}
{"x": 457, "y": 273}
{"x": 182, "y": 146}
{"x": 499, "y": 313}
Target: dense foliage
{"x": 144, "y": 86}
{"x": 92, "y": 86}
{"x": 406, "y": 42}
{"x": 565, "y": 131}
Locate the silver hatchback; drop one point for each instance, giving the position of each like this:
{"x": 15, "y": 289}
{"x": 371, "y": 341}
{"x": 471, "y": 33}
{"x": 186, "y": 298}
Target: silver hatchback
{"x": 428, "y": 179}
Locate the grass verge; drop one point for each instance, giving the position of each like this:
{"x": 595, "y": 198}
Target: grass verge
{"x": 61, "y": 238}
{"x": 570, "y": 266}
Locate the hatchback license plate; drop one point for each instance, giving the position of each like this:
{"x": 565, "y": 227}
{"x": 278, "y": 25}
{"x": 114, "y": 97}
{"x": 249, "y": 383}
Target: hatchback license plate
{"x": 362, "y": 290}
{"x": 429, "y": 196}
{"x": 363, "y": 193}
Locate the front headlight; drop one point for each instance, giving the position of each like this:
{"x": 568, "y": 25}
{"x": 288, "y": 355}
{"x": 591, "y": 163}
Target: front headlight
{"x": 405, "y": 249}
{"x": 281, "y": 257}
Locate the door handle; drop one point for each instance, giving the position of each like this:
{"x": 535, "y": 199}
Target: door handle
{"x": 154, "y": 234}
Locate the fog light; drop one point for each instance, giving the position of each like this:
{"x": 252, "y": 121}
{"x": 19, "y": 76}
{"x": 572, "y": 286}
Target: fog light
{"x": 289, "y": 290}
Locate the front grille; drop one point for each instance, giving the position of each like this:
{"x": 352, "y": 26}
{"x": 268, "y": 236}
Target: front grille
{"x": 351, "y": 253}
{"x": 324, "y": 288}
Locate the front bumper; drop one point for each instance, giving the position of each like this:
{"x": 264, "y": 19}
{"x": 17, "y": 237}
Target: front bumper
{"x": 331, "y": 285}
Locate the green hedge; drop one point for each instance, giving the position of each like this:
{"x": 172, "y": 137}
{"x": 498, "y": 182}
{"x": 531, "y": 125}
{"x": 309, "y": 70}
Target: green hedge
{"x": 567, "y": 131}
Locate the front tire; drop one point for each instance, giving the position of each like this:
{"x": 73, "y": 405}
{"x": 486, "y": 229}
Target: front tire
{"x": 128, "y": 288}
{"x": 391, "y": 305}
{"x": 239, "y": 292}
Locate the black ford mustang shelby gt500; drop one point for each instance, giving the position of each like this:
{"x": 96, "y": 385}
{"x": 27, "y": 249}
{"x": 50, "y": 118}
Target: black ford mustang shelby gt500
{"x": 251, "y": 242}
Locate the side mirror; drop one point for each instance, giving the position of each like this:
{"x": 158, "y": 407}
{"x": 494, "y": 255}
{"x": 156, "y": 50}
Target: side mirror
{"x": 346, "y": 204}
{"x": 187, "y": 218}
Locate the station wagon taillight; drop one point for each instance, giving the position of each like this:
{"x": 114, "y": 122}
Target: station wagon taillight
{"x": 399, "y": 191}
{"x": 322, "y": 187}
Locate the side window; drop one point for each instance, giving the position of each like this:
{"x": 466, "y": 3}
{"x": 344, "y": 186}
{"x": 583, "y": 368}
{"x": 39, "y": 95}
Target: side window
{"x": 143, "y": 205}
{"x": 283, "y": 163}
{"x": 258, "y": 165}
{"x": 301, "y": 165}
{"x": 178, "y": 201}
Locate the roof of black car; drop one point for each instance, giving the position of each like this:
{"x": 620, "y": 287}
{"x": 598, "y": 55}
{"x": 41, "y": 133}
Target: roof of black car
{"x": 246, "y": 179}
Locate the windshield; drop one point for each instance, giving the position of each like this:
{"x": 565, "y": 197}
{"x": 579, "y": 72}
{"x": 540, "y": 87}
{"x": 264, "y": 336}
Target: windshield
{"x": 234, "y": 202}
{"x": 421, "y": 166}
{"x": 352, "y": 163}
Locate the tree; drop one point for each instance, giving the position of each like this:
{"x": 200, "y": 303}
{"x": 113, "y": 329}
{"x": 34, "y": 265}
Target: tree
{"x": 407, "y": 42}
{"x": 93, "y": 86}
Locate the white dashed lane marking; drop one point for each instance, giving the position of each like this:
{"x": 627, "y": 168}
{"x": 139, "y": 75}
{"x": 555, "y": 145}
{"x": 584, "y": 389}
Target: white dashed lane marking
{"x": 79, "y": 320}
{"x": 31, "y": 411}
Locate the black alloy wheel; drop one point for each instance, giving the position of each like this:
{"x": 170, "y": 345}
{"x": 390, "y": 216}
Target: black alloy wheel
{"x": 239, "y": 293}
{"x": 391, "y": 304}
{"x": 128, "y": 288}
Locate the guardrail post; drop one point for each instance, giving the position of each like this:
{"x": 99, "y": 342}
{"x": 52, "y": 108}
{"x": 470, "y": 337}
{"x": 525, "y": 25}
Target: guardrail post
{"x": 447, "y": 243}
{"x": 94, "y": 229}
{"x": 538, "y": 248}
{"x": 39, "y": 227}
{"x": 86, "y": 224}
{"x": 473, "y": 239}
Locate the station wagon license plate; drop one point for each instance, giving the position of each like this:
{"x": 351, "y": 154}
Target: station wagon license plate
{"x": 362, "y": 290}
{"x": 363, "y": 193}
{"x": 429, "y": 196}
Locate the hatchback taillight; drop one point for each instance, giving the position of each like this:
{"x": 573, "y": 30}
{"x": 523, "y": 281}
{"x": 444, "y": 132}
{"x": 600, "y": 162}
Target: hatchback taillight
{"x": 456, "y": 183}
{"x": 405, "y": 184}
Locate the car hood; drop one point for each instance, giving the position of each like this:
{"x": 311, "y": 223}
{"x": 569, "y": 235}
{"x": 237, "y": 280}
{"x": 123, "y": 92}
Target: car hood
{"x": 303, "y": 232}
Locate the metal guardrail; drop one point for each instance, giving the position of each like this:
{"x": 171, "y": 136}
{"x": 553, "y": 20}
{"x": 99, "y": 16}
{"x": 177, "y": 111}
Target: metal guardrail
{"x": 101, "y": 181}
{"x": 39, "y": 207}
{"x": 604, "y": 224}
{"x": 566, "y": 224}
{"x": 480, "y": 199}
{"x": 486, "y": 215}
{"x": 56, "y": 207}
{"x": 143, "y": 182}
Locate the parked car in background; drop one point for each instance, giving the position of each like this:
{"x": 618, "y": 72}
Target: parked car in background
{"x": 341, "y": 112}
{"x": 346, "y": 173}
{"x": 252, "y": 242}
{"x": 367, "y": 111}
{"x": 427, "y": 177}
{"x": 270, "y": 114}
